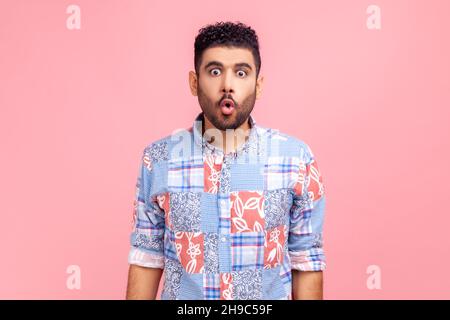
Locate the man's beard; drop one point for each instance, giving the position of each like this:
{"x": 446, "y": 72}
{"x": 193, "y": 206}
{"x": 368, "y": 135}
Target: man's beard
{"x": 212, "y": 111}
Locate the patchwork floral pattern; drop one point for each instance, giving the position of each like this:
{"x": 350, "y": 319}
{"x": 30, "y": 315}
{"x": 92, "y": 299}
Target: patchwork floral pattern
{"x": 314, "y": 182}
{"x": 309, "y": 181}
{"x": 301, "y": 177}
{"x": 211, "y": 253}
{"x": 173, "y": 271}
{"x": 225, "y": 176}
{"x": 185, "y": 211}
{"x": 213, "y": 166}
{"x": 154, "y": 153}
{"x": 190, "y": 250}
{"x": 277, "y": 204}
{"x": 274, "y": 245}
{"x": 247, "y": 285}
{"x": 147, "y": 242}
{"x": 226, "y": 286}
{"x": 247, "y": 211}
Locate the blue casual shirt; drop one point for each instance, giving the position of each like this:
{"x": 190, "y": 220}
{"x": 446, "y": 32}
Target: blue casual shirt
{"x": 228, "y": 226}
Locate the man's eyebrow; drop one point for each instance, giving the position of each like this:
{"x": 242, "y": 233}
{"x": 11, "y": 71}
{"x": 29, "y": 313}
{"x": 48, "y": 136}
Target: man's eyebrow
{"x": 213, "y": 63}
{"x": 220, "y": 64}
{"x": 243, "y": 64}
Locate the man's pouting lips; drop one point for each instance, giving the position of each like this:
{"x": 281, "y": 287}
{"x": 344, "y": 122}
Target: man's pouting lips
{"x": 227, "y": 105}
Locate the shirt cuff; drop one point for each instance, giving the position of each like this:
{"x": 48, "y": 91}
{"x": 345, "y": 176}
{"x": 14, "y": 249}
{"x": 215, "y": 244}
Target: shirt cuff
{"x": 308, "y": 260}
{"x": 144, "y": 259}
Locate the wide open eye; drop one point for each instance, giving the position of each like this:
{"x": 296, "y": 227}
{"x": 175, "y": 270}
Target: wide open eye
{"x": 215, "y": 72}
{"x": 241, "y": 73}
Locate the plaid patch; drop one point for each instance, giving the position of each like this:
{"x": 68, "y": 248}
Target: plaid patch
{"x": 281, "y": 172}
{"x": 285, "y": 270}
{"x": 148, "y": 221}
{"x": 170, "y": 250}
{"x": 211, "y": 286}
{"x": 186, "y": 174}
{"x": 247, "y": 250}
{"x": 147, "y": 228}
{"x": 308, "y": 260}
{"x": 301, "y": 222}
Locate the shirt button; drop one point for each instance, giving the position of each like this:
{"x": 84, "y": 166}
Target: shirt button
{"x": 224, "y": 239}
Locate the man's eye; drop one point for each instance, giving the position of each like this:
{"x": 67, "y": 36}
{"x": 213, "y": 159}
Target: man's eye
{"x": 214, "y": 72}
{"x": 242, "y": 73}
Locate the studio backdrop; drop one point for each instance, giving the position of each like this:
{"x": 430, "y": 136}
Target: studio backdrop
{"x": 86, "y": 85}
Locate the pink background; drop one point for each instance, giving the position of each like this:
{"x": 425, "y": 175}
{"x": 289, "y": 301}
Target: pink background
{"x": 77, "y": 107}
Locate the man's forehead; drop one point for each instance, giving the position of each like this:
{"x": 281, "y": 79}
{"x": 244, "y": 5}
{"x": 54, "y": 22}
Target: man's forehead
{"x": 228, "y": 55}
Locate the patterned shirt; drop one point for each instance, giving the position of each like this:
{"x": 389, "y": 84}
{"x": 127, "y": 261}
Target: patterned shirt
{"x": 228, "y": 226}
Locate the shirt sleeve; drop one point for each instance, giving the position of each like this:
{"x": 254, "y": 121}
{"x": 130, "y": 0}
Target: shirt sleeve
{"x": 305, "y": 245}
{"x": 148, "y": 225}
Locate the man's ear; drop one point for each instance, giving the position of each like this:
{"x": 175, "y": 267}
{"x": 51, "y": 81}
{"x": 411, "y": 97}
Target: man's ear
{"x": 259, "y": 85}
{"x": 193, "y": 82}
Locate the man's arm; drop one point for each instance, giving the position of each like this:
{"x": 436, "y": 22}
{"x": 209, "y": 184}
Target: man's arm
{"x": 307, "y": 285}
{"x": 146, "y": 255}
{"x": 305, "y": 242}
{"x": 143, "y": 283}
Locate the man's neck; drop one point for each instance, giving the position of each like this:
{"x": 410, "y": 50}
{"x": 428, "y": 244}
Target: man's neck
{"x": 230, "y": 142}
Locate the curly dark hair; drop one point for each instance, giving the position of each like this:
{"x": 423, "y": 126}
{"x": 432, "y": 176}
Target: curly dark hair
{"x": 228, "y": 34}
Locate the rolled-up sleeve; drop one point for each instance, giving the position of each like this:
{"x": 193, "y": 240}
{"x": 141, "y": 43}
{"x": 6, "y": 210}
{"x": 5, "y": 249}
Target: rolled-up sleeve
{"x": 147, "y": 236}
{"x": 305, "y": 240}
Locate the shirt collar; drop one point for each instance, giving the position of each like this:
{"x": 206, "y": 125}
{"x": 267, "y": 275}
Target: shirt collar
{"x": 206, "y": 146}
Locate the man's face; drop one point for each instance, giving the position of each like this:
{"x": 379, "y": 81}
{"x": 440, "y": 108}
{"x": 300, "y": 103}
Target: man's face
{"x": 226, "y": 86}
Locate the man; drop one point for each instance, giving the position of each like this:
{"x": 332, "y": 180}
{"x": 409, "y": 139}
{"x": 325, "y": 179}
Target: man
{"x": 227, "y": 209}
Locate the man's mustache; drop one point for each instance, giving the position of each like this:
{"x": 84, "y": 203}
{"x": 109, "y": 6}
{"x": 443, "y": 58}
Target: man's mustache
{"x": 227, "y": 97}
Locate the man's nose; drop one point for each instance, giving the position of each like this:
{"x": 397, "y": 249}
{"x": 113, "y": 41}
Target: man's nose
{"x": 227, "y": 85}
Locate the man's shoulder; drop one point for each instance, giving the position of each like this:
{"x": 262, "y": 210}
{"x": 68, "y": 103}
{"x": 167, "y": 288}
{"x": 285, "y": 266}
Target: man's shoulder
{"x": 159, "y": 149}
{"x": 287, "y": 143}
